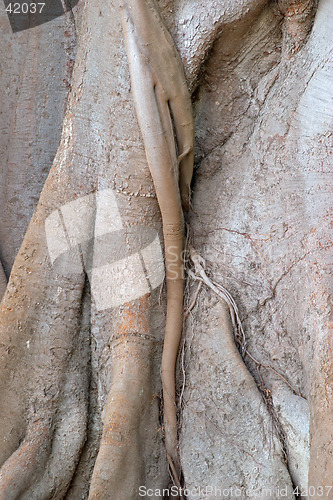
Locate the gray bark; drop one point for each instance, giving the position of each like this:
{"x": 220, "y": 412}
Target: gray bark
{"x": 261, "y": 88}
{"x": 267, "y": 243}
{"x": 36, "y": 70}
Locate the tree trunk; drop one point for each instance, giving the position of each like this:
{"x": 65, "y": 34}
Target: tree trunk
{"x": 36, "y": 71}
{"x": 83, "y": 315}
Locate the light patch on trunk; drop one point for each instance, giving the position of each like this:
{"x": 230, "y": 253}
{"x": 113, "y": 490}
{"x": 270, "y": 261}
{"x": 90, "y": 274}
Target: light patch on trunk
{"x": 122, "y": 281}
{"x": 73, "y": 235}
{"x": 79, "y": 219}
{"x": 107, "y": 213}
{"x": 55, "y": 236}
{"x": 153, "y": 260}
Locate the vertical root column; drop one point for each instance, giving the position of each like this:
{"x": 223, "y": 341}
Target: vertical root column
{"x": 174, "y": 248}
{"x": 128, "y": 422}
{"x": 164, "y": 111}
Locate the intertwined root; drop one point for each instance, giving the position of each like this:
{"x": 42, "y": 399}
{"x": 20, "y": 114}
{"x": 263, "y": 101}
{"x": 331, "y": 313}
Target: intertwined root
{"x": 163, "y": 106}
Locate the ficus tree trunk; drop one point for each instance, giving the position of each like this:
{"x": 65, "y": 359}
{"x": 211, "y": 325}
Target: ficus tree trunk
{"x": 82, "y": 319}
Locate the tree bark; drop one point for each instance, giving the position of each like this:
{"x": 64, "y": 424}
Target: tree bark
{"x": 83, "y": 316}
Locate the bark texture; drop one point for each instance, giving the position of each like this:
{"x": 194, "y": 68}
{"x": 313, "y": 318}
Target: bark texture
{"x": 83, "y": 316}
{"x": 269, "y": 245}
{"x": 35, "y": 77}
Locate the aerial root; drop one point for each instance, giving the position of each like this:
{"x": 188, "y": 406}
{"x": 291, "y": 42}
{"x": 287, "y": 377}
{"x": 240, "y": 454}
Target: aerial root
{"x": 174, "y": 474}
{"x": 222, "y": 292}
{"x": 200, "y": 274}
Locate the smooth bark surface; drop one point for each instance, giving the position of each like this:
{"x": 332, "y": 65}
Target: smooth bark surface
{"x": 35, "y": 78}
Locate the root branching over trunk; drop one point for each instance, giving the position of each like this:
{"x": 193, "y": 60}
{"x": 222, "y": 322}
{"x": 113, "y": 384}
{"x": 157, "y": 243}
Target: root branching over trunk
{"x": 164, "y": 113}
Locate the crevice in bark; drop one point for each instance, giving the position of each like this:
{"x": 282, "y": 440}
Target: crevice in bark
{"x": 279, "y": 430}
{"x": 298, "y": 22}
{"x": 69, "y": 8}
{"x": 71, "y": 41}
{"x": 3, "y": 281}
